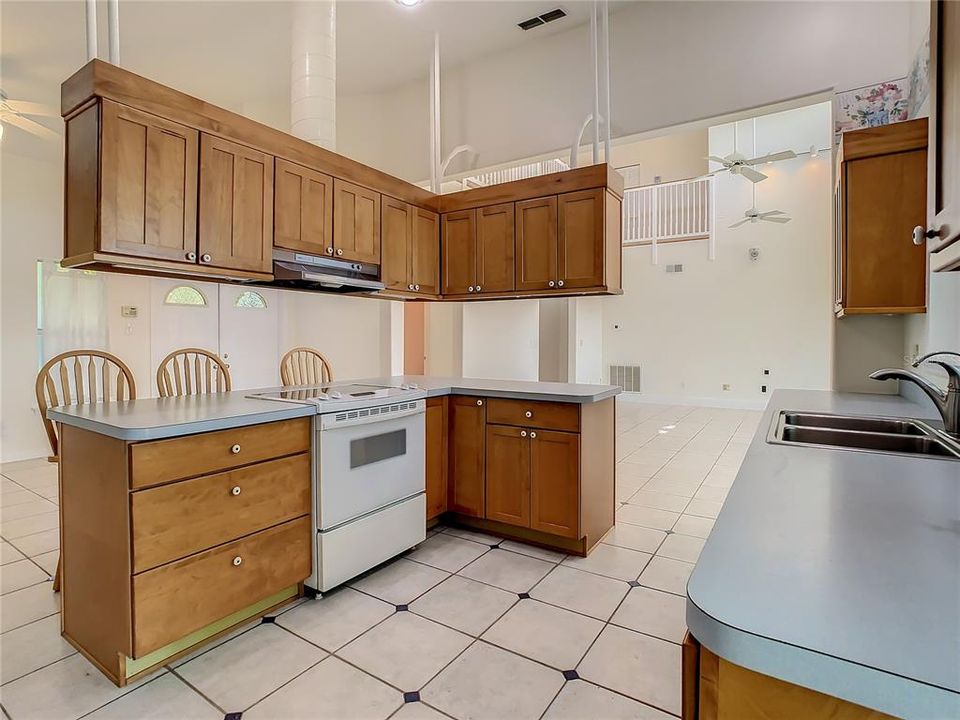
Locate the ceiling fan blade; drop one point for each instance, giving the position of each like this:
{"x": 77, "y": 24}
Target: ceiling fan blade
{"x": 34, "y": 128}
{"x": 773, "y": 157}
{"x": 716, "y": 159}
{"x": 750, "y": 174}
{"x": 741, "y": 222}
{"x": 31, "y": 108}
{"x": 768, "y": 213}
{"x": 775, "y": 219}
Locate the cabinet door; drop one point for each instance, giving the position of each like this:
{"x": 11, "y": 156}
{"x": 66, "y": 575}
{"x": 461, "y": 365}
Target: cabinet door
{"x": 436, "y": 461}
{"x": 356, "y": 223}
{"x": 537, "y": 244}
{"x": 396, "y": 244}
{"x": 459, "y": 251}
{"x": 425, "y": 270}
{"x": 303, "y": 209}
{"x": 943, "y": 180}
{"x": 508, "y": 475}
{"x": 495, "y": 248}
{"x": 236, "y": 206}
{"x": 581, "y": 239}
{"x": 148, "y": 185}
{"x": 466, "y": 450}
{"x": 555, "y": 482}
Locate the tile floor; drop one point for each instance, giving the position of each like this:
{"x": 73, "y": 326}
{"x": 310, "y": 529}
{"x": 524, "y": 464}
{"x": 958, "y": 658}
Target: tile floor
{"x": 464, "y": 626}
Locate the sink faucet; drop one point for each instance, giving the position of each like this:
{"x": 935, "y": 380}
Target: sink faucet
{"x": 948, "y": 403}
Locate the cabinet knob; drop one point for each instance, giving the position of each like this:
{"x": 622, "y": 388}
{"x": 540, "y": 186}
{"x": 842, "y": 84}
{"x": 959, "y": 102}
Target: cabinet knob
{"x": 551, "y": 283}
{"x": 523, "y": 433}
{"x": 528, "y": 414}
{"x": 235, "y": 449}
{"x": 478, "y": 288}
{"x": 237, "y": 560}
{"x": 532, "y": 434}
{"x": 559, "y": 283}
{"x": 235, "y": 490}
{"x": 470, "y": 289}
{"x": 206, "y": 257}
{"x": 191, "y": 256}
{"x": 417, "y": 287}
{"x": 329, "y": 251}
{"x": 410, "y": 286}
{"x": 339, "y": 251}
{"x": 919, "y": 235}
{"x": 479, "y": 402}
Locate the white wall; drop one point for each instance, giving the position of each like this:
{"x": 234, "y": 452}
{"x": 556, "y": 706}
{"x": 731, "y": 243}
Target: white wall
{"x": 586, "y": 332}
{"x": 501, "y": 339}
{"x": 671, "y": 63}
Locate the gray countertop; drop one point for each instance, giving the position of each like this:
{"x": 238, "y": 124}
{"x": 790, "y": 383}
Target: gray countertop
{"x": 838, "y": 570}
{"x": 156, "y": 418}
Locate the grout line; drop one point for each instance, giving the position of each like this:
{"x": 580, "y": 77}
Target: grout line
{"x": 42, "y": 667}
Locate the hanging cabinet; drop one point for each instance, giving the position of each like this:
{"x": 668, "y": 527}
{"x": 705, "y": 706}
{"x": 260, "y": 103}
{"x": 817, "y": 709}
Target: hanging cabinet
{"x": 410, "y": 248}
{"x": 303, "y": 209}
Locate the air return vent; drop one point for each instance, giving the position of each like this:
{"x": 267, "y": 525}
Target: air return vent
{"x": 543, "y": 19}
{"x": 628, "y": 377}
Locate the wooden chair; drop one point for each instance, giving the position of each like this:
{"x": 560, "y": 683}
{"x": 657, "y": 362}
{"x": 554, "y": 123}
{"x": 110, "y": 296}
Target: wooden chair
{"x": 192, "y": 371}
{"x": 305, "y": 366}
{"x": 80, "y": 377}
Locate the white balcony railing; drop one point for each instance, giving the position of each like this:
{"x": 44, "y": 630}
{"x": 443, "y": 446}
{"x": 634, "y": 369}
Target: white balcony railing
{"x": 669, "y": 212}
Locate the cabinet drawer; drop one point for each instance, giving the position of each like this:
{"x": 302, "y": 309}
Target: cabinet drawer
{"x": 153, "y": 463}
{"x": 172, "y": 601}
{"x": 532, "y": 413}
{"x": 183, "y": 518}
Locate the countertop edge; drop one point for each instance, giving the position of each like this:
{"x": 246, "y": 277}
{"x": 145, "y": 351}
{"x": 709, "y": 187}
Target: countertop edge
{"x": 855, "y": 683}
{"x": 523, "y": 395}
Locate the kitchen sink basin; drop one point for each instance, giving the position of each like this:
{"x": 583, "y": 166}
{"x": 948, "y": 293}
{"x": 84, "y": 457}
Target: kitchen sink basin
{"x": 866, "y": 434}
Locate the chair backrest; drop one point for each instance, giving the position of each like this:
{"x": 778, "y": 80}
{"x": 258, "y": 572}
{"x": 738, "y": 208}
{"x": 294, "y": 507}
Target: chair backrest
{"x": 305, "y": 366}
{"x": 81, "y": 377}
{"x": 192, "y": 371}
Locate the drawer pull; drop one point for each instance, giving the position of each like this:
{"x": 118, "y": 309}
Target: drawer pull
{"x": 235, "y": 449}
{"x": 533, "y": 434}
{"x": 235, "y": 490}
{"x": 528, "y": 414}
{"x": 237, "y": 560}
{"x": 523, "y": 433}
{"x": 479, "y": 402}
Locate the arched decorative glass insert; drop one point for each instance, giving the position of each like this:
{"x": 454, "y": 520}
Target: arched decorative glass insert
{"x": 250, "y": 299}
{"x": 185, "y": 295}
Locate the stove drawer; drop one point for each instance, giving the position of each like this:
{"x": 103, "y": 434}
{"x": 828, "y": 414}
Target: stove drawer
{"x": 172, "y": 601}
{"x": 534, "y": 414}
{"x": 183, "y": 518}
{"x": 161, "y": 461}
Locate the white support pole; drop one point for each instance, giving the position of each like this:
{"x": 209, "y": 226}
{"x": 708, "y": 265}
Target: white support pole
{"x": 113, "y": 39}
{"x": 91, "y": 6}
{"x": 606, "y": 82}
{"x": 712, "y": 242}
{"x": 435, "y": 116}
{"x": 596, "y": 82}
{"x": 313, "y": 72}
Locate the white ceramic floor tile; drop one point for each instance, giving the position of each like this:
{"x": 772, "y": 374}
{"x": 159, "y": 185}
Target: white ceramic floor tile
{"x": 533, "y": 551}
{"x": 335, "y": 619}
{"x": 668, "y": 575}
{"x": 242, "y": 671}
{"x": 507, "y": 570}
{"x": 405, "y": 650}
{"x": 37, "y": 506}
{"x": 645, "y": 668}
{"x": 580, "y": 700}
{"x": 653, "y": 612}
{"x": 13, "y": 494}
{"x": 704, "y": 508}
{"x": 64, "y": 690}
{"x": 48, "y": 561}
{"x": 693, "y": 525}
{"x": 582, "y": 592}
{"x": 487, "y": 682}
{"x": 331, "y": 689}
{"x": 417, "y": 711}
{"x": 447, "y": 552}
{"x": 635, "y": 537}
{"x": 673, "y": 485}
{"x": 474, "y": 535}
{"x": 612, "y": 561}
{"x": 401, "y": 581}
{"x": 9, "y": 554}
{"x": 464, "y": 604}
{"x": 166, "y": 698}
{"x": 660, "y": 501}
{"x": 20, "y": 574}
{"x": 681, "y": 547}
{"x": 628, "y": 487}
{"x": 27, "y": 605}
{"x": 32, "y": 646}
{"x": 38, "y": 543}
{"x": 545, "y": 633}
{"x": 29, "y": 525}
{"x": 646, "y": 516}
{"x": 712, "y": 492}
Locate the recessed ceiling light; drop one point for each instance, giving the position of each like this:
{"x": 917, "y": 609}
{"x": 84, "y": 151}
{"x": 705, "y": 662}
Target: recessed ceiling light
{"x": 408, "y": 3}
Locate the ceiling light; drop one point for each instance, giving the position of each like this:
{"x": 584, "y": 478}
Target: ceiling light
{"x": 408, "y": 3}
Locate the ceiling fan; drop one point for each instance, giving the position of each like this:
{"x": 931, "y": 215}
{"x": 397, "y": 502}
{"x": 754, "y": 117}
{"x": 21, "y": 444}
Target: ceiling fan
{"x": 739, "y": 164}
{"x": 754, "y": 216}
{"x": 15, "y": 112}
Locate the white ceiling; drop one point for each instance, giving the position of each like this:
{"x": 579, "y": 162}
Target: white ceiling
{"x": 236, "y": 53}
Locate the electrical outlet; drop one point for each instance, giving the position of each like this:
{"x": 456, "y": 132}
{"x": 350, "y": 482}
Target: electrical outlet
{"x": 766, "y": 371}
{"x": 763, "y": 388}
{"x": 725, "y": 386}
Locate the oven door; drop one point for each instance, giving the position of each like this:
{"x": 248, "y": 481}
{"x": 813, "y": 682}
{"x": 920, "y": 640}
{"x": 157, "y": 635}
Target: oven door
{"x": 368, "y": 460}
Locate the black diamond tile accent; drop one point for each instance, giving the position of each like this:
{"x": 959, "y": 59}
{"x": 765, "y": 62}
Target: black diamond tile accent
{"x": 494, "y": 546}
{"x": 669, "y": 532}
{"x": 233, "y": 716}
{"x": 268, "y": 620}
{"x": 409, "y": 697}
{"x": 523, "y": 596}
{"x": 570, "y": 675}
{"x": 402, "y": 608}
{"x": 633, "y": 583}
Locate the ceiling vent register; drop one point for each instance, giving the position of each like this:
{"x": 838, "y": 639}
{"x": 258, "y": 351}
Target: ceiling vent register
{"x": 539, "y": 20}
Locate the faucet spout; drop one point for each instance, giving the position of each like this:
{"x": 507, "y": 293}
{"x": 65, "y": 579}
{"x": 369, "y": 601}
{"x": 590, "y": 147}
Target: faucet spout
{"x": 947, "y": 402}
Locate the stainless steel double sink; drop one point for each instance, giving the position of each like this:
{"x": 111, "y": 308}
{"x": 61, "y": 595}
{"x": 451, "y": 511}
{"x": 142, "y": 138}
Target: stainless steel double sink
{"x": 896, "y": 436}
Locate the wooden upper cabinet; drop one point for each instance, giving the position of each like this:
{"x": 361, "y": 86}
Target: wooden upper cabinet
{"x": 508, "y": 475}
{"x": 459, "y": 255}
{"x": 396, "y": 244}
{"x": 236, "y": 206}
{"x": 436, "y": 458}
{"x": 467, "y": 455}
{"x": 554, "y": 482}
{"x": 303, "y": 209}
{"x": 425, "y": 254}
{"x": 356, "y": 223}
{"x": 536, "y": 260}
{"x": 943, "y": 179}
{"x": 495, "y": 248}
{"x": 580, "y": 259}
{"x": 148, "y": 201}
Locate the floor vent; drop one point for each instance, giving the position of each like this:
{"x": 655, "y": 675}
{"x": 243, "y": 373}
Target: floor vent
{"x": 539, "y": 20}
{"x": 627, "y": 377}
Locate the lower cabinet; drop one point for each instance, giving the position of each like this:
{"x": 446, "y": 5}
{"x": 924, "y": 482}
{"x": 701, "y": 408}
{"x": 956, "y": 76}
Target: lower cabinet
{"x": 467, "y": 439}
{"x": 508, "y": 475}
{"x": 436, "y": 460}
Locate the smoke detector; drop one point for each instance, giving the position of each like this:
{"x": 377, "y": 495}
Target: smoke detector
{"x": 543, "y": 19}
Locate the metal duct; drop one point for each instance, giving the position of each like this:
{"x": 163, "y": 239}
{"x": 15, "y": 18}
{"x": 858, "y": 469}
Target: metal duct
{"x": 313, "y": 73}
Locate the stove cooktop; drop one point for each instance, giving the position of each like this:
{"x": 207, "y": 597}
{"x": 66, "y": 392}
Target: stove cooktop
{"x": 321, "y": 395}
